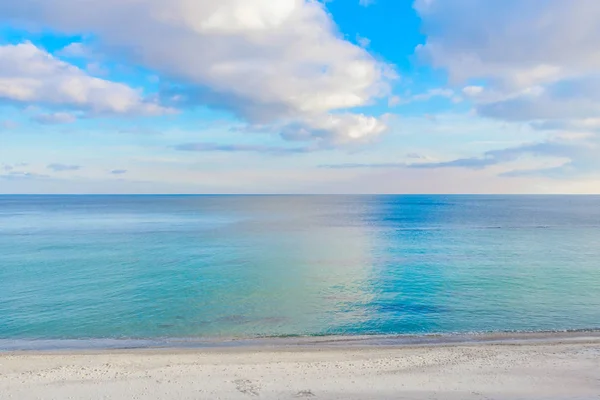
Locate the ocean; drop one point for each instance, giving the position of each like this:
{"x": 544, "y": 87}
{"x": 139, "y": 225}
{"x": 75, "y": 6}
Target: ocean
{"x": 212, "y": 267}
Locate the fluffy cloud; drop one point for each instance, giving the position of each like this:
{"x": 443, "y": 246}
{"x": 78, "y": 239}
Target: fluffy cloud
{"x": 539, "y": 58}
{"x": 517, "y": 43}
{"x": 336, "y": 128}
{"x": 267, "y": 62}
{"x": 29, "y": 75}
{"x": 534, "y": 61}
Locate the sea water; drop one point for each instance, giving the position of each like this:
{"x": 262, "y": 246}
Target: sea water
{"x": 150, "y": 267}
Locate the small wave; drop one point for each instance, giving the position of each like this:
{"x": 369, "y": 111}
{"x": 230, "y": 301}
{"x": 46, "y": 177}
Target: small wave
{"x": 285, "y": 340}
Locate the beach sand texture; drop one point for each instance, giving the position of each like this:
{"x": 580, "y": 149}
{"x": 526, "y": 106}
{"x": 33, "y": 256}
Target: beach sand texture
{"x": 563, "y": 370}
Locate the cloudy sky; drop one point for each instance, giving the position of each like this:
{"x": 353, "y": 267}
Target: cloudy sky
{"x": 299, "y": 96}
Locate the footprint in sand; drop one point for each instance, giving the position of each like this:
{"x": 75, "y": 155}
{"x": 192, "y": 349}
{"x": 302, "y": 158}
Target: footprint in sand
{"x": 305, "y": 393}
{"x": 247, "y": 387}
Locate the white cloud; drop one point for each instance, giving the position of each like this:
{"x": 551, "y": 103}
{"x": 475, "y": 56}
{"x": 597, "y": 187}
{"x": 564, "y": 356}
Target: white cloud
{"x": 366, "y": 3}
{"x": 29, "y": 75}
{"x": 534, "y": 61}
{"x": 513, "y": 42}
{"x": 336, "y": 129}
{"x": 266, "y": 61}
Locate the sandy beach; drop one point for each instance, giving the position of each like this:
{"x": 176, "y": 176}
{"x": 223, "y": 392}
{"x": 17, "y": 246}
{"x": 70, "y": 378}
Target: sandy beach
{"x": 563, "y": 369}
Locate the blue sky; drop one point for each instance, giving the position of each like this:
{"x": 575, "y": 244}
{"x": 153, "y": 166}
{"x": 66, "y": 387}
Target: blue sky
{"x": 296, "y": 96}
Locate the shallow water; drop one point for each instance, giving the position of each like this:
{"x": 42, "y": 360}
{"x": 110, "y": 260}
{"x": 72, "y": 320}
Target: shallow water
{"x": 106, "y": 267}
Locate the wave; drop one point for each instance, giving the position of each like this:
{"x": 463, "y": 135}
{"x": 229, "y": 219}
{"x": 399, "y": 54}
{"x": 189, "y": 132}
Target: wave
{"x": 316, "y": 340}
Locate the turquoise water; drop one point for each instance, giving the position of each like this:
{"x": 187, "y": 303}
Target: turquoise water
{"x": 102, "y": 267}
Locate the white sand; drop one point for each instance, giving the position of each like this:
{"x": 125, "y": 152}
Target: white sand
{"x": 568, "y": 370}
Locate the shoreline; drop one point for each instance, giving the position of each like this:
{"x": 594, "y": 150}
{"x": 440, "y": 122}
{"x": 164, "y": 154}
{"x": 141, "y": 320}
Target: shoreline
{"x": 565, "y": 368}
{"x": 8, "y": 346}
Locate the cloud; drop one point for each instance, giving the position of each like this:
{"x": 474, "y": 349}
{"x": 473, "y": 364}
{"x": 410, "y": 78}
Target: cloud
{"x": 75, "y": 50}
{"x": 387, "y": 165}
{"x": 266, "y": 61}
{"x": 63, "y": 167}
{"x": 576, "y": 158}
{"x": 15, "y": 172}
{"x": 366, "y": 3}
{"x": 11, "y": 167}
{"x": 55, "y": 118}
{"x": 96, "y": 69}
{"x": 472, "y": 163}
{"x": 336, "y": 128}
{"x": 569, "y": 99}
{"x": 472, "y": 91}
{"x": 438, "y": 92}
{"x": 580, "y": 125}
{"x": 30, "y": 75}
{"x": 21, "y": 175}
{"x": 240, "y": 148}
{"x": 426, "y": 96}
{"x": 416, "y": 156}
{"x": 363, "y": 41}
{"x": 516, "y": 43}
{"x": 363, "y": 165}
{"x": 118, "y": 171}
{"x": 535, "y": 59}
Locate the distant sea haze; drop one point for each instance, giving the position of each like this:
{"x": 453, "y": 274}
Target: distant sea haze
{"x": 155, "y": 267}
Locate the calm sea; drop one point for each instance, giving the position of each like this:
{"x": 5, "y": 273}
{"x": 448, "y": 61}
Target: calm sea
{"x": 106, "y": 267}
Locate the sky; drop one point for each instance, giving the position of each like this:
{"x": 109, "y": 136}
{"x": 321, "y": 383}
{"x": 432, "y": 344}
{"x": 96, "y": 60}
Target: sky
{"x": 299, "y": 96}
